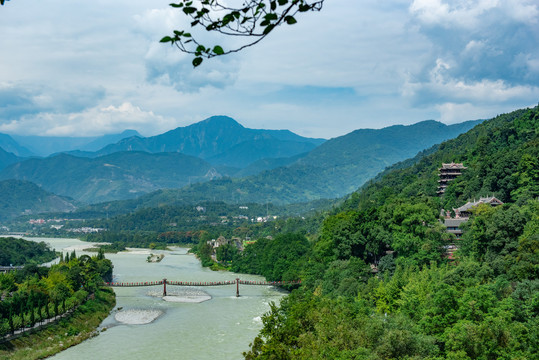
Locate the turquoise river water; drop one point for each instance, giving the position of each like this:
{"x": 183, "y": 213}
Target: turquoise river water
{"x": 219, "y": 328}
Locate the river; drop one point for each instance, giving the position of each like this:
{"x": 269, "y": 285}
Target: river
{"x": 219, "y": 328}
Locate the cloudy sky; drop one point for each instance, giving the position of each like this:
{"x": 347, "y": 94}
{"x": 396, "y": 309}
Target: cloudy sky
{"x": 81, "y": 68}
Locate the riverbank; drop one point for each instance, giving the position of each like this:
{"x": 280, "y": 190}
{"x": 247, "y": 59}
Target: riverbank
{"x": 81, "y": 325}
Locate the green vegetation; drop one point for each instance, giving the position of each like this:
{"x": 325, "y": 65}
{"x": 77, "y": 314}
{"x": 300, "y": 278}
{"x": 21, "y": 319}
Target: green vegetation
{"x": 19, "y": 197}
{"x": 172, "y": 225}
{"x": 19, "y": 252}
{"x": 79, "y": 326}
{"x": 419, "y": 305}
{"x": 34, "y": 294}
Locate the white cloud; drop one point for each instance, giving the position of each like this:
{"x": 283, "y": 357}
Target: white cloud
{"x": 93, "y": 121}
{"x": 470, "y": 14}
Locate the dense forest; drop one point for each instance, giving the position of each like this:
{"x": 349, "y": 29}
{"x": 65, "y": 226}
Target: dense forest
{"x": 417, "y": 304}
{"x": 34, "y": 293}
{"x": 19, "y": 252}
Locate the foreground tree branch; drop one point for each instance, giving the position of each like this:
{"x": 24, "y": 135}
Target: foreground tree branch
{"x": 254, "y": 20}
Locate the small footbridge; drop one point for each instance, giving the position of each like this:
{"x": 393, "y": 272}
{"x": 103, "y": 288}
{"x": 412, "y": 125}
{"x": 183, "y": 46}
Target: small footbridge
{"x": 236, "y": 282}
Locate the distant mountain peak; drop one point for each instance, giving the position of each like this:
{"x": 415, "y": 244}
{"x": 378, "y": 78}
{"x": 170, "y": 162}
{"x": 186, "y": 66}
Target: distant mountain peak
{"x": 130, "y": 133}
{"x": 220, "y": 120}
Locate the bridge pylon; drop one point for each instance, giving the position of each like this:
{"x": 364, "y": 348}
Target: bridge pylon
{"x": 164, "y": 287}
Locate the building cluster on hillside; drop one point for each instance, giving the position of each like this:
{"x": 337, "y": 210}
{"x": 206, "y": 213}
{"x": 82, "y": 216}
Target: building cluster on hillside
{"x": 462, "y": 214}
{"x": 237, "y": 242}
{"x": 446, "y": 174}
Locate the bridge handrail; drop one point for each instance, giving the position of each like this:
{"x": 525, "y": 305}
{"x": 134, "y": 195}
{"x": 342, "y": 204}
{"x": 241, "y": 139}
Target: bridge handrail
{"x": 199, "y": 283}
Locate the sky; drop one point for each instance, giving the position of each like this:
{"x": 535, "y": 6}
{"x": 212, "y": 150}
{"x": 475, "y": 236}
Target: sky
{"x": 88, "y": 68}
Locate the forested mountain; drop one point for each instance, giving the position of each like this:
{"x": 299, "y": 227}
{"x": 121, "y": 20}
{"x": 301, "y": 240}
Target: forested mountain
{"x": 7, "y": 158}
{"x": 334, "y": 169}
{"x": 23, "y": 197}
{"x": 121, "y": 175}
{"x": 420, "y": 305}
{"x": 7, "y": 143}
{"x": 267, "y": 164}
{"x": 222, "y": 141}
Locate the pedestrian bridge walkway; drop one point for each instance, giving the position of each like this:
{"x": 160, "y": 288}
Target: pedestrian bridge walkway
{"x": 236, "y": 282}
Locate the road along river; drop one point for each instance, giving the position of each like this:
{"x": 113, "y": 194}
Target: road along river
{"x": 145, "y": 326}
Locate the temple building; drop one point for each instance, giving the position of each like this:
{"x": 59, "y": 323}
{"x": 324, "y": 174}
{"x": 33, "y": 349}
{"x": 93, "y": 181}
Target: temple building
{"x": 462, "y": 214}
{"x": 448, "y": 173}
{"x": 466, "y": 210}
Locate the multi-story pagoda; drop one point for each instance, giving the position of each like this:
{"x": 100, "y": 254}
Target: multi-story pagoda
{"x": 448, "y": 173}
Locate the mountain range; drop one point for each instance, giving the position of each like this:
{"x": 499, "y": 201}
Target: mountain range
{"x": 334, "y": 169}
{"x": 219, "y": 159}
{"x": 220, "y": 140}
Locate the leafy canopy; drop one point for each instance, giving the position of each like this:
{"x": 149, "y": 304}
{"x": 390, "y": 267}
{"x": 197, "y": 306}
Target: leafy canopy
{"x": 253, "y": 21}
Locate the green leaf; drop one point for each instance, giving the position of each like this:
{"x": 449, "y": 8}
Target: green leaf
{"x": 270, "y": 16}
{"x": 268, "y": 29}
{"x": 217, "y": 50}
{"x": 200, "y": 48}
{"x": 166, "y": 39}
{"x": 290, "y": 20}
{"x": 283, "y": 2}
{"x": 189, "y": 10}
{"x": 273, "y": 5}
{"x": 197, "y": 61}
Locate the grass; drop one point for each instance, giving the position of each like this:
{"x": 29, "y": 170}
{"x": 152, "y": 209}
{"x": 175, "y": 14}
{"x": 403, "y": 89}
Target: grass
{"x": 68, "y": 332}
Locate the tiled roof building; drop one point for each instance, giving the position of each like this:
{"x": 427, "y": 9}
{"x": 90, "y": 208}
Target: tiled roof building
{"x": 448, "y": 173}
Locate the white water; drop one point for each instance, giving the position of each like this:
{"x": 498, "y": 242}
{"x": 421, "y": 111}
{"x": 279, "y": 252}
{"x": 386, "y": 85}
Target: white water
{"x": 219, "y": 328}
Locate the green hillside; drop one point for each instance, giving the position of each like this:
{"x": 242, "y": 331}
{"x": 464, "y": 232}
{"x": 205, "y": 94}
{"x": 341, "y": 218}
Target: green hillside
{"x": 7, "y": 158}
{"x": 25, "y": 198}
{"x": 419, "y": 305}
{"x": 120, "y": 175}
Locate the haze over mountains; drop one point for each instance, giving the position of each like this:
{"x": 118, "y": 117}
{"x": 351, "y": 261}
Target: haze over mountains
{"x": 219, "y": 159}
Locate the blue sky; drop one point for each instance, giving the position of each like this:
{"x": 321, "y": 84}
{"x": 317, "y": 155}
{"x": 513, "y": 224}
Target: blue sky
{"x": 81, "y": 68}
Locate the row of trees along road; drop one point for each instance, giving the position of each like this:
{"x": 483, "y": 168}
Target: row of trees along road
{"x": 35, "y": 293}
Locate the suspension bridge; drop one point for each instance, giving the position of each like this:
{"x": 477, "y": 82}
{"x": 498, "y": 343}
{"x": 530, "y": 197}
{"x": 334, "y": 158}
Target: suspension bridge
{"x": 236, "y": 282}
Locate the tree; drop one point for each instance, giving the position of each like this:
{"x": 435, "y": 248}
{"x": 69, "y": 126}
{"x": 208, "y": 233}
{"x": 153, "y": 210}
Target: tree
{"x": 253, "y": 21}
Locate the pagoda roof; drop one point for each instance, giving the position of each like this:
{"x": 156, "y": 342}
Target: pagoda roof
{"x": 483, "y": 200}
{"x": 452, "y": 165}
